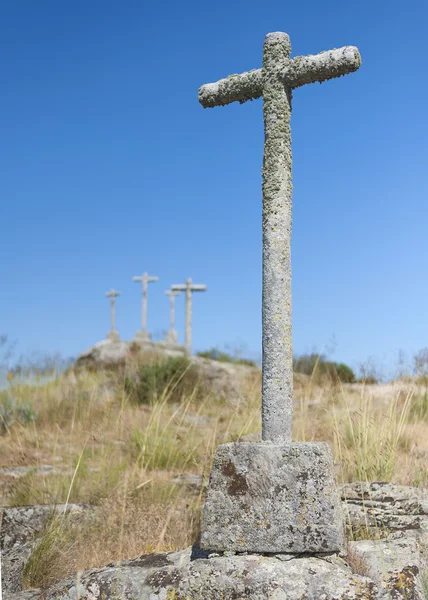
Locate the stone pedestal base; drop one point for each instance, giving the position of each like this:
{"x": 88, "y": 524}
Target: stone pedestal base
{"x": 268, "y": 498}
{"x": 113, "y": 336}
{"x": 143, "y": 336}
{"x": 171, "y": 338}
{"x": 170, "y": 348}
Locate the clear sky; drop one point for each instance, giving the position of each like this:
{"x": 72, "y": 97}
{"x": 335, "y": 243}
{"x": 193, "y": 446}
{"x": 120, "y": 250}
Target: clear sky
{"x": 109, "y": 168}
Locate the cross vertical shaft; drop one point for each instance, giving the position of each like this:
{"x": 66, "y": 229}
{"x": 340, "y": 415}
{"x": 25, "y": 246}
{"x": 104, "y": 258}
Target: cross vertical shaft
{"x": 171, "y": 336}
{"x": 188, "y": 340}
{"x": 275, "y": 82}
{"x": 189, "y": 287}
{"x": 277, "y": 378}
{"x": 172, "y": 311}
{"x": 145, "y": 279}
{"x": 112, "y": 294}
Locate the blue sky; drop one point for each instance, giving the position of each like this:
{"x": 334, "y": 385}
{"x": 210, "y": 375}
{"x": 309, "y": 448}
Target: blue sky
{"x": 109, "y": 167}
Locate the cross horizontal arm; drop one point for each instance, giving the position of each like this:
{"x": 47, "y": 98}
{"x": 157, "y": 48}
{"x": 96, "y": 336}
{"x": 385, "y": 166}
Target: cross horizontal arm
{"x": 142, "y": 278}
{"x": 323, "y": 66}
{"x": 300, "y": 71}
{"x": 172, "y": 292}
{"x": 198, "y": 288}
{"x": 178, "y": 287}
{"x": 235, "y": 88}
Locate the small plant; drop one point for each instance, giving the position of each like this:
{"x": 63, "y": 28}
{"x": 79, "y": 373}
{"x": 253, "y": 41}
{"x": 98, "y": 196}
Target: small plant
{"x": 370, "y": 439}
{"x": 221, "y": 356}
{"x": 420, "y": 365}
{"x": 11, "y": 411}
{"x": 424, "y": 576}
{"x": 318, "y": 367}
{"x": 419, "y": 408}
{"x": 58, "y": 536}
{"x": 170, "y": 378}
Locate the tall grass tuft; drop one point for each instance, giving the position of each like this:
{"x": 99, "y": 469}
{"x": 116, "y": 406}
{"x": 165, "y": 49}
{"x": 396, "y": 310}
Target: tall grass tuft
{"x": 370, "y": 439}
{"x": 171, "y": 378}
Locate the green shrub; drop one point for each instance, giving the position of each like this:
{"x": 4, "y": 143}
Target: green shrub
{"x": 343, "y": 372}
{"x": 11, "y": 411}
{"x": 170, "y": 378}
{"x": 419, "y": 408}
{"x": 221, "y": 356}
{"x": 317, "y": 365}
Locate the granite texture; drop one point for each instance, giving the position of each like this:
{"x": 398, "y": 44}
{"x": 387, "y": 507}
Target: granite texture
{"x": 270, "y": 498}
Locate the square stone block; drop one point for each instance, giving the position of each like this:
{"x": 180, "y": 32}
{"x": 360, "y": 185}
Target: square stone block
{"x": 264, "y": 497}
{"x": 143, "y": 336}
{"x": 113, "y": 336}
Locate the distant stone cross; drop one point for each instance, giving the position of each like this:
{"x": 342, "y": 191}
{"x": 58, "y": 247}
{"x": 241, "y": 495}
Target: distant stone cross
{"x": 274, "y": 82}
{"x": 112, "y": 294}
{"x": 145, "y": 280}
{"x": 171, "y": 336}
{"x": 189, "y": 288}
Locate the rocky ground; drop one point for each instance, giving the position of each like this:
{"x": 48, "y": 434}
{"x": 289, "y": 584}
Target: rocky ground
{"x": 99, "y": 477}
{"x": 390, "y": 562}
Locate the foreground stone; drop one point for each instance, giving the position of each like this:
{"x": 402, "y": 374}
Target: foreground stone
{"x": 380, "y": 508}
{"x": 265, "y": 497}
{"x": 20, "y": 531}
{"x": 176, "y": 576}
{"x": 395, "y": 564}
{"x": 391, "y": 568}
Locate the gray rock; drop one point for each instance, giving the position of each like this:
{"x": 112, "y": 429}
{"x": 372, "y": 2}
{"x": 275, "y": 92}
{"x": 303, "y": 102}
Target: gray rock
{"x": 22, "y": 471}
{"x": 385, "y": 507}
{"x": 177, "y": 576}
{"x": 105, "y": 354}
{"x": 375, "y": 570}
{"x": 190, "y": 480}
{"x": 264, "y": 497}
{"x": 225, "y": 380}
{"x": 20, "y": 528}
{"x": 394, "y": 564}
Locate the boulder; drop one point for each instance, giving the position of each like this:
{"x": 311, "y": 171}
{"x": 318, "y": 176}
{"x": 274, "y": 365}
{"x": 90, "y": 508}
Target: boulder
{"x": 392, "y": 567}
{"x": 20, "y": 531}
{"x": 187, "y": 576}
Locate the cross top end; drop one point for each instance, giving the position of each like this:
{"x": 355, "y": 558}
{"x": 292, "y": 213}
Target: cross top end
{"x": 145, "y": 278}
{"x": 189, "y": 286}
{"x": 113, "y": 293}
{"x": 297, "y": 72}
{"x": 279, "y": 37}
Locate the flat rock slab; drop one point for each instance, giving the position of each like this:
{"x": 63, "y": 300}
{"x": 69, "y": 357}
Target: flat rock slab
{"x": 21, "y": 527}
{"x": 395, "y": 564}
{"x": 385, "y": 507}
{"x": 264, "y": 497}
{"x": 177, "y": 577}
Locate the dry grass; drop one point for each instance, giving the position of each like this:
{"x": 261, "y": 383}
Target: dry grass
{"x": 122, "y": 457}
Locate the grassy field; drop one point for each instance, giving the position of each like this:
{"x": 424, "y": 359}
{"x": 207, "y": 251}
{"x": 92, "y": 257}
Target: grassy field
{"x": 119, "y": 446}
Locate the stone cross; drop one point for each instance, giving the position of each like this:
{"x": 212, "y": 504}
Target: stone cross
{"x": 189, "y": 288}
{"x": 171, "y": 336}
{"x": 274, "y": 82}
{"x": 145, "y": 280}
{"x": 113, "y": 334}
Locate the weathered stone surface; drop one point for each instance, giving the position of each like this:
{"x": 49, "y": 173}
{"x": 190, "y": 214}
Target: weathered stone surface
{"x": 264, "y": 497}
{"x": 387, "y": 569}
{"x": 20, "y": 528}
{"x": 176, "y": 576}
{"x": 395, "y": 564}
{"x": 225, "y": 380}
{"x": 104, "y": 354}
{"x": 385, "y": 507}
{"x": 192, "y": 481}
